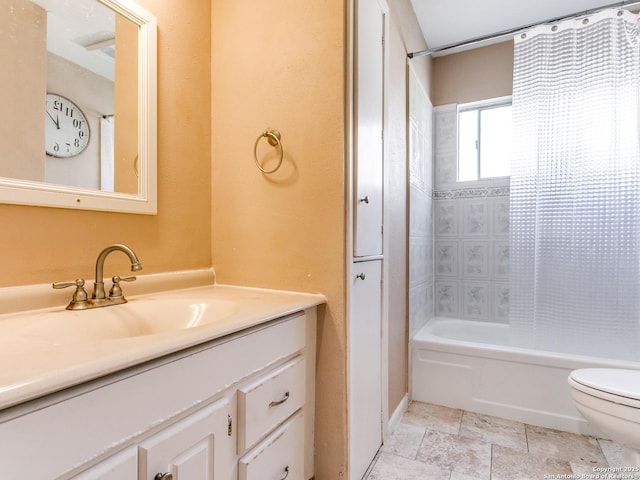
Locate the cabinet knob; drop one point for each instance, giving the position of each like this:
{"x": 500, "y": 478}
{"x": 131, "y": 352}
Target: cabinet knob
{"x": 163, "y": 476}
{"x": 285, "y": 473}
{"x": 365, "y": 199}
{"x": 361, "y": 276}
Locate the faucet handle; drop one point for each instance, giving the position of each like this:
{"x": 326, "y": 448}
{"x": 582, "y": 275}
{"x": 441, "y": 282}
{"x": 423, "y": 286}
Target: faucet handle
{"x": 116, "y": 290}
{"x": 79, "y": 296}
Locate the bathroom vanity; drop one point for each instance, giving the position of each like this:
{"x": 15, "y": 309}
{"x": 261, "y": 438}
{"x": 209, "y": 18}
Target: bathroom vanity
{"x": 217, "y": 398}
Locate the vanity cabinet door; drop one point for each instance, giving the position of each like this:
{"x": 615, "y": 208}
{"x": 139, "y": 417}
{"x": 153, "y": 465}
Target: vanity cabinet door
{"x": 123, "y": 466}
{"x": 195, "y": 448}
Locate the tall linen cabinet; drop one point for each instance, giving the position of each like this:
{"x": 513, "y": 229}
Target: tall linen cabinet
{"x": 365, "y": 336}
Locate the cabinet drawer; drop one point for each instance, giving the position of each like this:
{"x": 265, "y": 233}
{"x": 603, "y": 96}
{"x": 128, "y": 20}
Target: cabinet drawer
{"x": 267, "y": 401}
{"x": 279, "y": 456}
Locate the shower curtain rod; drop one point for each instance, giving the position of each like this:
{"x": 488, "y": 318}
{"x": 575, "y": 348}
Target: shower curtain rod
{"x": 505, "y": 33}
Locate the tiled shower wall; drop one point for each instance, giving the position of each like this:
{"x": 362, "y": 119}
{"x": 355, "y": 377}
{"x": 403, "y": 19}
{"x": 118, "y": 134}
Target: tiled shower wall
{"x": 471, "y": 234}
{"x": 421, "y": 278}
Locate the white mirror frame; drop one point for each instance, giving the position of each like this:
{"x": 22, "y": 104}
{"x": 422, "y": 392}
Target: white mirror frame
{"x": 25, "y": 192}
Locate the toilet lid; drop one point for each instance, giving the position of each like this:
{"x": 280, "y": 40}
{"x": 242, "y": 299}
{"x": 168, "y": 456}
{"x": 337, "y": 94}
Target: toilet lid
{"x": 625, "y": 383}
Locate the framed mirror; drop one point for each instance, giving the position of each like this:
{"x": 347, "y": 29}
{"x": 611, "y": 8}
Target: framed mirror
{"x": 79, "y": 95}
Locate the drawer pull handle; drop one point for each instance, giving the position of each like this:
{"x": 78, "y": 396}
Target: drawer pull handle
{"x": 163, "y": 476}
{"x": 275, "y": 403}
{"x": 285, "y": 474}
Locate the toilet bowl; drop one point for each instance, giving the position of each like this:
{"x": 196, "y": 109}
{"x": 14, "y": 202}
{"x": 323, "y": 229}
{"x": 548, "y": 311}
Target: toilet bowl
{"x": 609, "y": 399}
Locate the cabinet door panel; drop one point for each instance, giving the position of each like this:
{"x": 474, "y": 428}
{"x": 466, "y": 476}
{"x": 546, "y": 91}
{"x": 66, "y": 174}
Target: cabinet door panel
{"x": 194, "y": 462}
{"x": 369, "y": 95}
{"x": 186, "y": 449}
{"x": 365, "y": 390}
{"x": 122, "y": 465}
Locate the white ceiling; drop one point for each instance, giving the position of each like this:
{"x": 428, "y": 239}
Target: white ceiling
{"x": 83, "y": 32}
{"x": 445, "y": 23}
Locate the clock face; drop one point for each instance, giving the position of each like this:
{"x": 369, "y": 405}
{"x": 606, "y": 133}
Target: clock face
{"x": 66, "y": 128}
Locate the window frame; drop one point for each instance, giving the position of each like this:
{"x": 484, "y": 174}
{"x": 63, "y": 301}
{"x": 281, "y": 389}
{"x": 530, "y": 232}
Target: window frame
{"x": 480, "y": 106}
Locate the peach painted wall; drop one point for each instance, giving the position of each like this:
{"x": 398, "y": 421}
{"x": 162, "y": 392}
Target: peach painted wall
{"x": 41, "y": 245}
{"x": 22, "y": 89}
{"x": 478, "y": 74}
{"x": 281, "y": 64}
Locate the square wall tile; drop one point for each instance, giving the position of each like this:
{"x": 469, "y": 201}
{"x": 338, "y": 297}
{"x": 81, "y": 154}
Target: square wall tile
{"x": 445, "y": 144}
{"x": 446, "y": 218}
{"x": 475, "y": 258}
{"x": 501, "y": 216}
{"x": 420, "y": 306}
{"x": 420, "y": 212}
{"x": 421, "y": 260}
{"x": 501, "y": 259}
{"x": 446, "y": 298}
{"x": 475, "y": 217}
{"x": 476, "y": 301}
{"x": 446, "y": 259}
{"x": 501, "y": 302}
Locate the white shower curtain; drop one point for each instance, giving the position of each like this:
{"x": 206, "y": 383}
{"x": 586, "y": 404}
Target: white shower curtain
{"x": 575, "y": 187}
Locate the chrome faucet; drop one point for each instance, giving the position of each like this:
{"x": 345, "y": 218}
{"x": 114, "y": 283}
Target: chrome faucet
{"x": 80, "y": 300}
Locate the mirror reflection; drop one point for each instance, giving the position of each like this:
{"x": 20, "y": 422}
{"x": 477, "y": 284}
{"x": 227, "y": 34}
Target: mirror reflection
{"x": 70, "y": 110}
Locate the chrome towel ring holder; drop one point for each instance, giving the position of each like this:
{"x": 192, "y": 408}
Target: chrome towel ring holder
{"x": 273, "y": 137}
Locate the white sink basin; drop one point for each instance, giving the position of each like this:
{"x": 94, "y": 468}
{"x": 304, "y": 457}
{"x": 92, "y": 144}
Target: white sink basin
{"x": 133, "y": 319}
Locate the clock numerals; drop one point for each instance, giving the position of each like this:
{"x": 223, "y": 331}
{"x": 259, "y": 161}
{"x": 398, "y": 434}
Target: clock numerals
{"x": 67, "y": 129}
{"x": 59, "y": 106}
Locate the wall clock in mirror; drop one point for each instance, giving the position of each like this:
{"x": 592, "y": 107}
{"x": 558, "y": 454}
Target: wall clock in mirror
{"x": 67, "y": 130}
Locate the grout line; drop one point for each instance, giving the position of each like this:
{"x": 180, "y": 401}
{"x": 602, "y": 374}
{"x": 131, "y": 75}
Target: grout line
{"x": 491, "y": 462}
{"x": 460, "y": 423}
{"x": 424, "y": 434}
{"x": 372, "y": 464}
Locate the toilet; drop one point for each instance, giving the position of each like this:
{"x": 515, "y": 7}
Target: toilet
{"x": 609, "y": 399}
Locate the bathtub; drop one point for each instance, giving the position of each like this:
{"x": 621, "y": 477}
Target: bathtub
{"x": 470, "y": 365}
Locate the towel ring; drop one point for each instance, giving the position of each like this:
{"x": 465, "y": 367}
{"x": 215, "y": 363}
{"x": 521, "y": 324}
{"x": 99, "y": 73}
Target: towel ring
{"x": 273, "y": 137}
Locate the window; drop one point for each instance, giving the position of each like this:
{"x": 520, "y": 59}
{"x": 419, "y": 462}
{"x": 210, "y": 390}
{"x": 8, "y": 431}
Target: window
{"x": 484, "y": 140}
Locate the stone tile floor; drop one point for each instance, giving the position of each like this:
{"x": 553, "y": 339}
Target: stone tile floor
{"x": 440, "y": 443}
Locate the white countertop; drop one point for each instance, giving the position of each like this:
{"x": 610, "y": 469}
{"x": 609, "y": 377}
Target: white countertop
{"x": 32, "y": 367}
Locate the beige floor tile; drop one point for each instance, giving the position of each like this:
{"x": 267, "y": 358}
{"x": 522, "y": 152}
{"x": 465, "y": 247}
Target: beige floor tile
{"x": 393, "y": 467}
{"x": 582, "y": 470}
{"x": 565, "y": 446}
{"x": 509, "y": 464}
{"x": 498, "y": 431}
{"x": 433, "y": 417}
{"x": 460, "y": 454}
{"x": 405, "y": 441}
{"x": 462, "y": 476}
{"x": 486, "y": 447}
{"x": 612, "y": 452}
